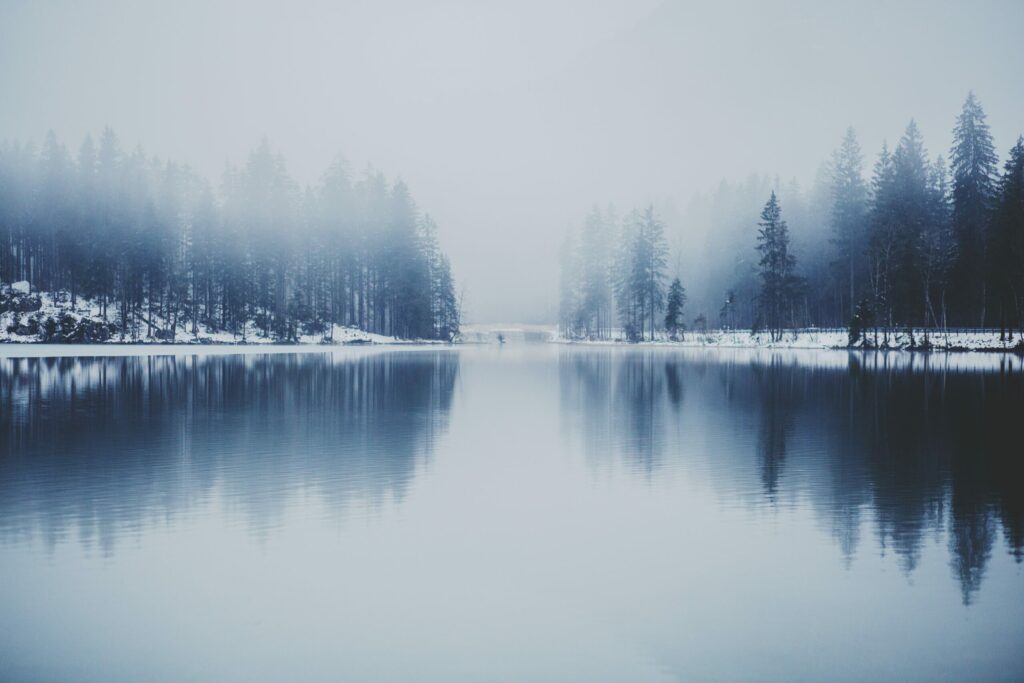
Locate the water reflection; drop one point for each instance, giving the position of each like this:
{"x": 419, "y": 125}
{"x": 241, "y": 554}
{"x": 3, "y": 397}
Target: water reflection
{"x": 625, "y": 405}
{"x": 917, "y": 446}
{"x": 105, "y": 446}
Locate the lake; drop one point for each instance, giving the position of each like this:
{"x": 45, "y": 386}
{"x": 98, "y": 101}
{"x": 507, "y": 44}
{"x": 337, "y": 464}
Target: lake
{"x": 521, "y": 513}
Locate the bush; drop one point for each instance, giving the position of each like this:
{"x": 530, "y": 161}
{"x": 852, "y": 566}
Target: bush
{"x": 50, "y": 329}
{"x": 311, "y": 327}
{"x": 18, "y": 302}
{"x": 164, "y": 335}
{"x": 85, "y": 331}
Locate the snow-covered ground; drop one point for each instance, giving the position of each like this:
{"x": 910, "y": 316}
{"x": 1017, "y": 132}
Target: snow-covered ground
{"x": 954, "y": 340}
{"x": 25, "y": 318}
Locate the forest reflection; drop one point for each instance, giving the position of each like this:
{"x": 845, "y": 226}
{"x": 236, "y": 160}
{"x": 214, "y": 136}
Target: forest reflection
{"x": 915, "y": 447}
{"x": 105, "y": 446}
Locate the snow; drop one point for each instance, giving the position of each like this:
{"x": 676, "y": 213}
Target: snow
{"x": 836, "y": 359}
{"x": 116, "y": 350}
{"x": 837, "y": 338}
{"x": 16, "y": 326}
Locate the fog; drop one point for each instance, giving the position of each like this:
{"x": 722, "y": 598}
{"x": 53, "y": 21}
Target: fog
{"x": 508, "y": 122}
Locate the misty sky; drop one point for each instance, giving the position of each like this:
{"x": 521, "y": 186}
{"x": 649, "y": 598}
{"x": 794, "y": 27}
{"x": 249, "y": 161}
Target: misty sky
{"x": 509, "y": 120}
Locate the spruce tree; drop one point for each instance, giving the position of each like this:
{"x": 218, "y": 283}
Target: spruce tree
{"x": 1007, "y": 252}
{"x": 779, "y": 283}
{"x": 652, "y": 258}
{"x": 909, "y": 207}
{"x": 625, "y": 281}
{"x": 937, "y": 246}
{"x": 159, "y": 253}
{"x": 882, "y": 239}
{"x": 54, "y": 212}
{"x": 849, "y": 212}
{"x": 595, "y": 264}
{"x": 973, "y": 163}
{"x": 674, "y": 308}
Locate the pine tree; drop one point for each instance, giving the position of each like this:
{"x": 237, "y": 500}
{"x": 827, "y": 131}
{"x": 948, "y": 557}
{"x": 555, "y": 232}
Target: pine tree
{"x": 909, "y": 206}
{"x": 595, "y": 266}
{"x": 1007, "y": 252}
{"x": 640, "y": 273}
{"x": 674, "y": 309}
{"x": 779, "y": 283}
{"x": 55, "y": 228}
{"x": 108, "y": 233}
{"x": 849, "y": 211}
{"x": 651, "y": 259}
{"x": 882, "y": 240}
{"x": 973, "y": 163}
{"x": 334, "y": 209}
{"x": 160, "y": 253}
{"x": 85, "y": 198}
{"x": 937, "y": 246}
{"x": 449, "y": 315}
{"x": 625, "y": 279}
{"x": 408, "y": 283}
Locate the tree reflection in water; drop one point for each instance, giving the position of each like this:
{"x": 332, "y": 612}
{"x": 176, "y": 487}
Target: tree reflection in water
{"x": 923, "y": 446}
{"x": 104, "y": 446}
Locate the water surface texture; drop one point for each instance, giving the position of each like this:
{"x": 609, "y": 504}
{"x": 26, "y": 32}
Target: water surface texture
{"x": 531, "y": 512}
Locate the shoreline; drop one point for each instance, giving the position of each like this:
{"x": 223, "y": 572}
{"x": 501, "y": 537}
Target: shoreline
{"x": 21, "y": 350}
{"x": 29, "y": 319}
{"x": 960, "y": 341}
{"x": 1016, "y": 351}
{"x": 204, "y": 343}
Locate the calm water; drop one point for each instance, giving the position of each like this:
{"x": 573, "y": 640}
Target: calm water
{"x": 532, "y": 513}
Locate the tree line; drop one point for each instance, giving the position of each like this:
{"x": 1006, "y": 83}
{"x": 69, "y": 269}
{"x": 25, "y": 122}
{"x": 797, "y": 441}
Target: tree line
{"x": 611, "y": 268}
{"x": 158, "y": 250}
{"x": 918, "y": 244}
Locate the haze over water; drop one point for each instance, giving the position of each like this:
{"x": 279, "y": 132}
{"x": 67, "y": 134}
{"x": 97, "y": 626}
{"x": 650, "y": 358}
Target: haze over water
{"x": 530, "y": 512}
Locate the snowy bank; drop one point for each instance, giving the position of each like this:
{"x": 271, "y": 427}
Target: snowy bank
{"x": 837, "y": 338}
{"x": 41, "y": 317}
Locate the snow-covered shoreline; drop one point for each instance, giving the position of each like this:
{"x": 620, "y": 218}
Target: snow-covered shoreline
{"x": 920, "y": 340}
{"x": 40, "y": 318}
{"x": 45, "y": 350}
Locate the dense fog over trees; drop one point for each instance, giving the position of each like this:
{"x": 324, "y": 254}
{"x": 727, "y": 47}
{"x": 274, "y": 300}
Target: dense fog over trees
{"x": 913, "y": 243}
{"x": 509, "y": 120}
{"x": 159, "y": 250}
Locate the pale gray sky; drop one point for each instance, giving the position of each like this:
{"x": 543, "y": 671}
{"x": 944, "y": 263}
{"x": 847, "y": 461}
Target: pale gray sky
{"x": 508, "y": 120}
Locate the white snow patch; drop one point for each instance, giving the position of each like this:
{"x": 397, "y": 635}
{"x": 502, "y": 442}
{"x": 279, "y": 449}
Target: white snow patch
{"x": 15, "y": 327}
{"x": 937, "y": 340}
